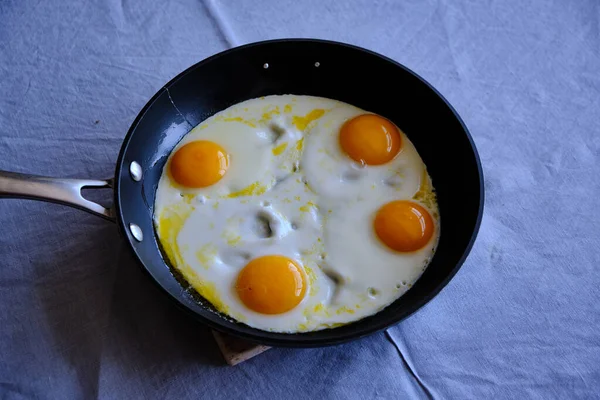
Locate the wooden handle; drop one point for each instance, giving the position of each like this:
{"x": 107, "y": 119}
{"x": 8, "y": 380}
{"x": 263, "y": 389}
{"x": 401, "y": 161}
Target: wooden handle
{"x": 236, "y": 350}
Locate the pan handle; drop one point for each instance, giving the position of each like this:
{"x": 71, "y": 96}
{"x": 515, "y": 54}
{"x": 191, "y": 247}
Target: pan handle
{"x": 55, "y": 190}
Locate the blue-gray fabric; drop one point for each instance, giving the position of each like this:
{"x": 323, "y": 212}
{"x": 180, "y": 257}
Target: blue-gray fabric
{"x": 79, "y": 320}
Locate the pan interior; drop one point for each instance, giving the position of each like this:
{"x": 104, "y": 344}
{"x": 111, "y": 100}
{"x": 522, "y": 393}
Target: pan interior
{"x": 316, "y": 68}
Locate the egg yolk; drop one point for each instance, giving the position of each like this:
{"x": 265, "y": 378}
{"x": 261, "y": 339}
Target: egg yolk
{"x": 199, "y": 164}
{"x": 370, "y": 139}
{"x": 403, "y": 225}
{"x": 271, "y": 284}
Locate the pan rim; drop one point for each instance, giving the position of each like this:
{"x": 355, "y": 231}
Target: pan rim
{"x": 297, "y": 339}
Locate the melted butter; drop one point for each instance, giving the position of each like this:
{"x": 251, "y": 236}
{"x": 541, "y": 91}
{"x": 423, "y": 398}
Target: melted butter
{"x": 188, "y": 197}
{"x": 319, "y": 308}
{"x": 329, "y": 326}
{"x": 302, "y": 327}
{"x": 269, "y": 113}
{"x": 312, "y": 279}
{"x": 206, "y": 255}
{"x": 308, "y": 206}
{"x": 302, "y": 122}
{"x": 254, "y": 189}
{"x": 277, "y": 150}
{"x": 207, "y": 290}
{"x": 426, "y": 195}
{"x": 344, "y": 310}
{"x": 249, "y": 122}
{"x": 232, "y": 238}
{"x": 170, "y": 223}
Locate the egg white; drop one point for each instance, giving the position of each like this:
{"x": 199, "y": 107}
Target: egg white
{"x": 373, "y": 275}
{"x": 250, "y": 160}
{"x": 286, "y": 167}
{"x": 221, "y": 236}
{"x": 334, "y": 175}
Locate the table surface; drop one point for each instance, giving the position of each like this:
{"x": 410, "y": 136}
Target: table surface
{"x": 78, "y": 319}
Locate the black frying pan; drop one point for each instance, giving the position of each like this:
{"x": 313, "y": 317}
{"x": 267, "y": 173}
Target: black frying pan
{"x": 302, "y": 67}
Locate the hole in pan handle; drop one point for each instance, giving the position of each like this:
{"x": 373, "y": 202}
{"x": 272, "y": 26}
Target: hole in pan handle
{"x": 55, "y": 190}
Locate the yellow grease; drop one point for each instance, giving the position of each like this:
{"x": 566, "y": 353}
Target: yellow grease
{"x": 169, "y": 225}
{"x": 287, "y": 108}
{"x": 277, "y": 150}
{"x": 319, "y": 308}
{"x": 207, "y": 290}
{"x": 302, "y": 327}
{"x": 206, "y": 254}
{"x": 254, "y": 189}
{"x": 248, "y": 122}
{"x": 232, "y": 238}
{"x": 268, "y": 114}
{"x": 308, "y": 206}
{"x": 302, "y": 122}
{"x": 425, "y": 194}
{"x": 344, "y": 310}
{"x": 329, "y": 326}
{"x": 300, "y": 144}
{"x": 188, "y": 197}
{"x": 312, "y": 279}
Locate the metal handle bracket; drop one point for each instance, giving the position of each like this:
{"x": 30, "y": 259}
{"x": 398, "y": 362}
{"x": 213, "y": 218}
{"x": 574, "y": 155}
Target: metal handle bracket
{"x": 56, "y": 190}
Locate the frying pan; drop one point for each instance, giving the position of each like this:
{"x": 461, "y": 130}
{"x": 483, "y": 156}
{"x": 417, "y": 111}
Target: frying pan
{"x": 293, "y": 66}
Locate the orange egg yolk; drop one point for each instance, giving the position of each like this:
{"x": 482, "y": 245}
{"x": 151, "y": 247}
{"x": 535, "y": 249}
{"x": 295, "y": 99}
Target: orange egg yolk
{"x": 370, "y": 139}
{"x": 271, "y": 284}
{"x": 403, "y": 225}
{"x": 199, "y": 164}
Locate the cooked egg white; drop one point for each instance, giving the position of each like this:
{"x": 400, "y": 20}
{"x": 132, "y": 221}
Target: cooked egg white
{"x": 333, "y": 175}
{"x": 250, "y": 162}
{"x": 289, "y": 190}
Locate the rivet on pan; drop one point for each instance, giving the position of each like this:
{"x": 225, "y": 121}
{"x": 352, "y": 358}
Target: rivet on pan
{"x": 136, "y": 232}
{"x": 135, "y": 170}
{"x": 317, "y": 64}
{"x": 266, "y": 65}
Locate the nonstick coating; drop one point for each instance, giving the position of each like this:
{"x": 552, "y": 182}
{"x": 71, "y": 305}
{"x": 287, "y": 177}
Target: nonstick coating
{"x": 318, "y": 68}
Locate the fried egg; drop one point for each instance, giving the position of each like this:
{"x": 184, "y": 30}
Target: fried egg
{"x": 333, "y": 174}
{"x": 296, "y": 213}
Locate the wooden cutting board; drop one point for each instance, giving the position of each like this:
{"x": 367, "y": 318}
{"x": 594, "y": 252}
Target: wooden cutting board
{"x": 236, "y": 350}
